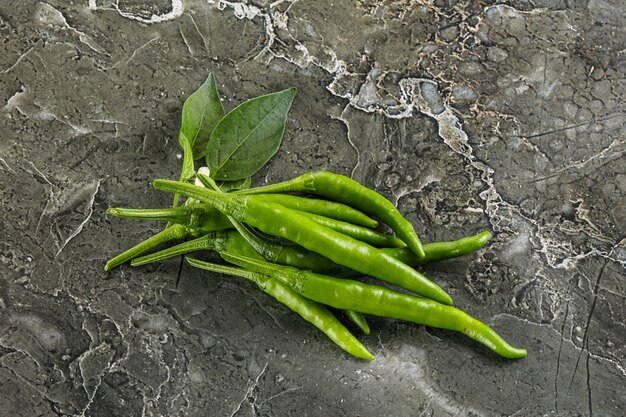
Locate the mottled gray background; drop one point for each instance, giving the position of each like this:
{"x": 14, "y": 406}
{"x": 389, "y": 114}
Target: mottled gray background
{"x": 499, "y": 115}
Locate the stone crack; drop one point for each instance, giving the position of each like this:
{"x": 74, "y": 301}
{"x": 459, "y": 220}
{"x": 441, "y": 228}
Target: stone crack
{"x": 82, "y": 224}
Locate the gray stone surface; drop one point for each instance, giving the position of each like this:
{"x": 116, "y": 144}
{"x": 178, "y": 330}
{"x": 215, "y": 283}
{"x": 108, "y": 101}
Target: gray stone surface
{"x": 507, "y": 116}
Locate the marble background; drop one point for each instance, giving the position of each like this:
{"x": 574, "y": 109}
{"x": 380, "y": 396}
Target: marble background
{"x": 469, "y": 115}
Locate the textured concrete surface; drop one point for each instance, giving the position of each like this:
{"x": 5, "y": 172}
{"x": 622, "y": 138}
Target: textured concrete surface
{"x": 500, "y": 115}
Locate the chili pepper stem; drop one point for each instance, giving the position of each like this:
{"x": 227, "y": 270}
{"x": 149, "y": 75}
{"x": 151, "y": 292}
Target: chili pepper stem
{"x": 176, "y": 215}
{"x": 256, "y": 243}
{"x": 209, "y": 182}
{"x": 224, "y": 203}
{"x": 257, "y": 278}
{"x": 174, "y": 232}
{"x": 210, "y": 241}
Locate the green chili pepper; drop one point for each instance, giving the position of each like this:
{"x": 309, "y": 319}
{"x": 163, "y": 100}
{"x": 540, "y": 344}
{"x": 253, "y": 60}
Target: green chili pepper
{"x": 439, "y": 251}
{"x": 233, "y": 242}
{"x": 358, "y": 319}
{"x": 345, "y": 190}
{"x": 379, "y": 301}
{"x": 363, "y": 234}
{"x": 287, "y": 253}
{"x": 276, "y": 252}
{"x": 204, "y": 218}
{"x": 326, "y": 208}
{"x": 277, "y": 220}
{"x": 313, "y": 312}
{"x": 296, "y": 255}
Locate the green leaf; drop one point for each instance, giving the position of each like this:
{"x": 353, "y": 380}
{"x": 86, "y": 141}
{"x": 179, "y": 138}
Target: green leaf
{"x": 247, "y": 137}
{"x": 242, "y": 184}
{"x": 201, "y": 113}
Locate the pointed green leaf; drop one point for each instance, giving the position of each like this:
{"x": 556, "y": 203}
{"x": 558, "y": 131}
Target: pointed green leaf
{"x": 201, "y": 113}
{"x": 247, "y": 137}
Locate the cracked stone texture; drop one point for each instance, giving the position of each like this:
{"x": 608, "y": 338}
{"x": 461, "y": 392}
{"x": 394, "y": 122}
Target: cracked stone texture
{"x": 500, "y": 115}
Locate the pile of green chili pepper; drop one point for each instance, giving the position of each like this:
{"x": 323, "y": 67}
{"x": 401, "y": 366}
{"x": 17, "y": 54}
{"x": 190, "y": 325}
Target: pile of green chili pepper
{"x": 300, "y": 274}
{"x": 307, "y": 252}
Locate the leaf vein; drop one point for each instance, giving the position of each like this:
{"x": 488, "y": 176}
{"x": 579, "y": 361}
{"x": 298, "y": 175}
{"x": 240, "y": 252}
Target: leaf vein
{"x": 247, "y": 137}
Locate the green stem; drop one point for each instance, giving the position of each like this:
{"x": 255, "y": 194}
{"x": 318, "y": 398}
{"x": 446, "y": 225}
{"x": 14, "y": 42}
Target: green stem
{"x": 188, "y": 168}
{"x": 223, "y": 202}
{"x": 175, "y": 215}
{"x": 174, "y": 232}
{"x": 209, "y": 183}
{"x": 211, "y": 241}
{"x": 258, "y": 279}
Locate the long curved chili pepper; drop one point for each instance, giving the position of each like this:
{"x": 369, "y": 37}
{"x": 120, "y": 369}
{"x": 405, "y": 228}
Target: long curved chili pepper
{"x": 379, "y": 301}
{"x": 296, "y": 255}
{"x": 361, "y": 233}
{"x": 275, "y": 252}
{"x": 311, "y": 311}
{"x": 439, "y": 251}
{"x": 233, "y": 242}
{"x": 277, "y": 220}
{"x": 203, "y": 218}
{"x": 326, "y": 208}
{"x": 345, "y": 190}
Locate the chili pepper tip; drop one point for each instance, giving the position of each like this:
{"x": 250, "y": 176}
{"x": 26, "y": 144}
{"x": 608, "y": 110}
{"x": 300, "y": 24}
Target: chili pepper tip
{"x": 484, "y": 237}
